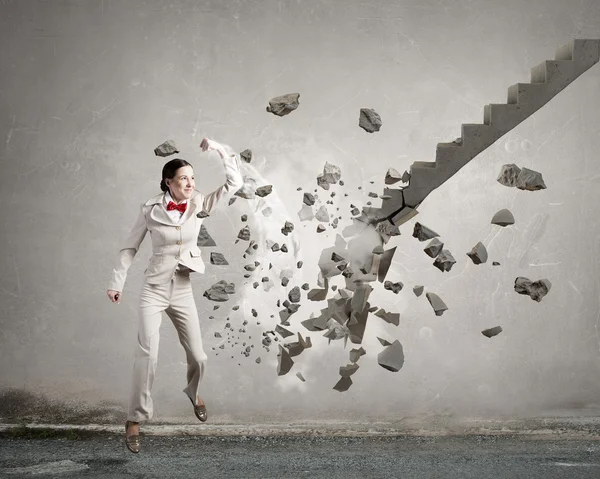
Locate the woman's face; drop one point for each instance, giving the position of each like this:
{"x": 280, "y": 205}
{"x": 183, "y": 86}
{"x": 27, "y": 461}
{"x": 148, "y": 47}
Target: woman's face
{"x": 182, "y": 185}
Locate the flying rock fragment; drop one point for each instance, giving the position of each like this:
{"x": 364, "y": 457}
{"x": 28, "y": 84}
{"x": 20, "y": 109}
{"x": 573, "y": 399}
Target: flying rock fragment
{"x": 392, "y": 176}
{"x": 508, "y": 175}
{"x": 308, "y": 199}
{"x": 536, "y": 290}
{"x": 246, "y": 155}
{"x": 392, "y": 357}
{"x": 284, "y": 361}
{"x": 394, "y": 287}
{"x": 478, "y": 254}
{"x": 263, "y": 191}
{"x": 248, "y": 189}
{"x": 422, "y": 233}
{"x": 220, "y": 291}
{"x": 369, "y": 120}
{"x": 204, "y": 239}
{"x": 267, "y": 211}
{"x": 288, "y": 227}
{"x": 503, "y": 218}
{"x": 348, "y": 370}
{"x": 299, "y": 376}
{"x": 306, "y": 213}
{"x": 165, "y": 149}
{"x": 488, "y": 333}
{"x": 244, "y": 233}
{"x": 331, "y": 173}
{"x": 392, "y": 318}
{"x": 433, "y": 248}
{"x": 530, "y": 180}
{"x": 284, "y": 333}
{"x": 384, "y": 342}
{"x": 444, "y": 261}
{"x": 284, "y": 104}
{"x": 355, "y": 354}
{"x": 343, "y": 384}
{"x": 217, "y": 258}
{"x": 418, "y": 290}
{"x": 294, "y": 294}
{"x": 436, "y": 303}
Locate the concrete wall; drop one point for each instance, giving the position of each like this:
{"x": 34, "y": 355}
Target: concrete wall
{"x": 89, "y": 88}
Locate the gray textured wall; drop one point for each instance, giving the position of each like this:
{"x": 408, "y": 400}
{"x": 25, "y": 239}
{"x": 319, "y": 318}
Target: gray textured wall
{"x": 89, "y": 88}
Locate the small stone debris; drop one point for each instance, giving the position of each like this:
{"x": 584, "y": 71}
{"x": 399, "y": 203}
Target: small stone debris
{"x": 204, "y": 239}
{"x": 267, "y": 211}
{"x": 436, "y": 303}
{"x": 165, "y": 149}
{"x": 284, "y": 248}
{"x": 331, "y": 173}
{"x": 232, "y": 201}
{"x": 535, "y": 290}
{"x": 495, "y": 263}
{"x": 392, "y": 357}
{"x": 294, "y": 294}
{"x": 322, "y": 215}
{"x": 218, "y": 335}
{"x": 418, "y": 290}
{"x": 488, "y": 333}
{"x": 394, "y": 287}
{"x": 244, "y": 217}
{"x": 246, "y": 155}
{"x": 244, "y": 233}
{"x": 299, "y": 376}
{"x": 369, "y": 120}
{"x": 478, "y": 254}
{"x": 299, "y": 264}
{"x": 530, "y": 180}
{"x": 284, "y": 361}
{"x": 320, "y": 228}
{"x": 217, "y": 258}
{"x": 343, "y": 384}
{"x": 257, "y": 360}
{"x": 287, "y": 228}
{"x": 263, "y": 191}
{"x": 508, "y": 175}
{"x": 423, "y": 233}
{"x": 348, "y": 370}
{"x": 308, "y": 199}
{"x": 248, "y": 189}
{"x": 355, "y": 354}
{"x": 284, "y": 104}
{"x": 306, "y": 213}
{"x": 220, "y": 291}
{"x": 305, "y": 286}
{"x": 392, "y": 176}
{"x": 384, "y": 342}
{"x": 284, "y": 333}
{"x": 503, "y": 218}
{"x": 392, "y": 318}
{"x": 434, "y": 248}
{"x": 444, "y": 261}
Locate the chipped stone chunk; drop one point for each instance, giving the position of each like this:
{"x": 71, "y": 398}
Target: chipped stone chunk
{"x": 392, "y": 318}
{"x": 508, "y": 175}
{"x": 299, "y": 376}
{"x": 204, "y": 239}
{"x": 355, "y": 354}
{"x": 384, "y": 342}
{"x": 308, "y": 199}
{"x": 503, "y": 218}
{"x": 248, "y": 189}
{"x": 284, "y": 104}
{"x": 306, "y": 213}
{"x": 433, "y": 248}
{"x": 418, "y": 290}
{"x": 244, "y": 233}
{"x": 394, "y": 287}
{"x": 288, "y": 227}
{"x": 294, "y": 294}
{"x": 263, "y": 191}
{"x": 165, "y": 149}
{"x": 478, "y": 254}
{"x": 530, "y": 180}
{"x": 423, "y": 233}
{"x": 444, "y": 261}
{"x": 348, "y": 370}
{"x": 246, "y": 155}
{"x": 536, "y": 290}
{"x": 343, "y": 384}
{"x": 284, "y": 333}
{"x": 392, "y": 176}
{"x": 320, "y": 228}
{"x": 267, "y": 211}
{"x": 322, "y": 215}
{"x": 217, "y": 258}
{"x": 392, "y": 357}
{"x": 220, "y": 291}
{"x": 436, "y": 303}
{"x": 369, "y": 120}
{"x": 488, "y": 333}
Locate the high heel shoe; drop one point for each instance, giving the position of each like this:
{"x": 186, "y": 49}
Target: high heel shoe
{"x": 132, "y": 442}
{"x": 200, "y": 411}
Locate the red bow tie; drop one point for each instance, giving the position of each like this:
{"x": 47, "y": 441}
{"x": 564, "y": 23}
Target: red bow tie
{"x": 172, "y": 206}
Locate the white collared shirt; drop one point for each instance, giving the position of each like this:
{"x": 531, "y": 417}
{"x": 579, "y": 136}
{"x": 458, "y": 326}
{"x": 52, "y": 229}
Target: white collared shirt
{"x": 174, "y": 214}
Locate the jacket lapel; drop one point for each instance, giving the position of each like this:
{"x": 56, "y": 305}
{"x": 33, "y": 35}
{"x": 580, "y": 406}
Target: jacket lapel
{"x": 158, "y": 212}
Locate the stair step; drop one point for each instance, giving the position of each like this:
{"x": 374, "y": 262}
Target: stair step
{"x": 503, "y": 117}
{"x": 549, "y": 70}
{"x": 422, "y": 165}
{"x": 584, "y": 51}
{"x": 530, "y": 93}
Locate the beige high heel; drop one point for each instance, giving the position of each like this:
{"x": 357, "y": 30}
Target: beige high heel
{"x": 132, "y": 442}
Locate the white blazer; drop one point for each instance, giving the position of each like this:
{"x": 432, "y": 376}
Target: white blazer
{"x": 173, "y": 243}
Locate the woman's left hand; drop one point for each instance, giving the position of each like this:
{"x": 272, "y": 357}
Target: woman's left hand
{"x": 208, "y": 145}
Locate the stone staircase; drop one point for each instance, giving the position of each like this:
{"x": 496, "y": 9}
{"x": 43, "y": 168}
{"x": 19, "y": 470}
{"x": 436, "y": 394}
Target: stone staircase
{"x": 547, "y": 79}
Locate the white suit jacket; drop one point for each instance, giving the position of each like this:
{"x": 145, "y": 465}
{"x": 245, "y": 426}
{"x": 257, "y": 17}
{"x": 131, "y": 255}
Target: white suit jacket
{"x": 173, "y": 242}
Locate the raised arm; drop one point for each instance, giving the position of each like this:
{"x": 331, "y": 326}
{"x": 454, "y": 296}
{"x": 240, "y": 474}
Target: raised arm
{"x": 128, "y": 252}
{"x": 234, "y": 179}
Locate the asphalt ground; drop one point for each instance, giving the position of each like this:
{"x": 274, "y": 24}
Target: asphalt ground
{"x": 173, "y": 452}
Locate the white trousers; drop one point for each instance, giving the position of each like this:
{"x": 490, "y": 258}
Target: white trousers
{"x": 177, "y": 300}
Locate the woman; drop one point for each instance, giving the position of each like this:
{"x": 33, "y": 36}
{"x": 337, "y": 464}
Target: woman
{"x": 173, "y": 219}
